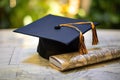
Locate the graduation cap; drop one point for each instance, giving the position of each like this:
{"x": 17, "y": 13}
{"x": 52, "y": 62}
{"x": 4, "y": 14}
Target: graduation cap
{"x": 58, "y": 35}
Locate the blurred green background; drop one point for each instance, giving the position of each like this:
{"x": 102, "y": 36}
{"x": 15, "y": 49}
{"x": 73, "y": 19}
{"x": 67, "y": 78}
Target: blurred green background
{"x": 22, "y": 12}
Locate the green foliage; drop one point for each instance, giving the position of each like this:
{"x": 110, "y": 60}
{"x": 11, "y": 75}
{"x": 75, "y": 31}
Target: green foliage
{"x": 33, "y": 8}
{"x": 13, "y": 17}
{"x": 106, "y": 12}
{"x": 4, "y": 13}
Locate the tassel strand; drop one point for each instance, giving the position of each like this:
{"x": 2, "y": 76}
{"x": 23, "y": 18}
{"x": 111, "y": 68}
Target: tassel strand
{"x": 82, "y": 46}
{"x": 94, "y": 35}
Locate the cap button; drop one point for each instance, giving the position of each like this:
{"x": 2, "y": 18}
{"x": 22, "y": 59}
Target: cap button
{"x": 57, "y": 27}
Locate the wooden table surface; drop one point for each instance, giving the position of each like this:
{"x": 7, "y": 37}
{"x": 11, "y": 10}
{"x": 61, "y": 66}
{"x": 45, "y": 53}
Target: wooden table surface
{"x": 20, "y": 61}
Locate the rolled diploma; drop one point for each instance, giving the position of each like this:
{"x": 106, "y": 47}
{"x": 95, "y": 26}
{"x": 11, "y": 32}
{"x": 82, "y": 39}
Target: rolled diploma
{"x": 72, "y": 60}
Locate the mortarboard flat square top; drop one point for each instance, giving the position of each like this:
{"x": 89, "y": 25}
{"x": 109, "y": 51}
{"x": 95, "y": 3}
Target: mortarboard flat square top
{"x": 53, "y": 41}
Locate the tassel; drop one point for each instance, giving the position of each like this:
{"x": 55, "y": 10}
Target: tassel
{"x": 82, "y": 47}
{"x": 94, "y": 34}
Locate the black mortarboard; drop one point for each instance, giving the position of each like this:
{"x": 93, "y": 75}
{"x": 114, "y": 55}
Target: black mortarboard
{"x": 53, "y": 40}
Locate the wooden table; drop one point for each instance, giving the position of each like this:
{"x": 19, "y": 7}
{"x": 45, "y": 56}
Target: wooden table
{"x": 20, "y": 61}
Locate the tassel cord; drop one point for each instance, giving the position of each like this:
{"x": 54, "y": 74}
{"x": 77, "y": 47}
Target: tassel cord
{"x": 82, "y": 46}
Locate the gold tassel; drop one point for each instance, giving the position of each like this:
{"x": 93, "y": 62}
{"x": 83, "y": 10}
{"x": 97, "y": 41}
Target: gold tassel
{"x": 82, "y": 46}
{"x": 94, "y": 34}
